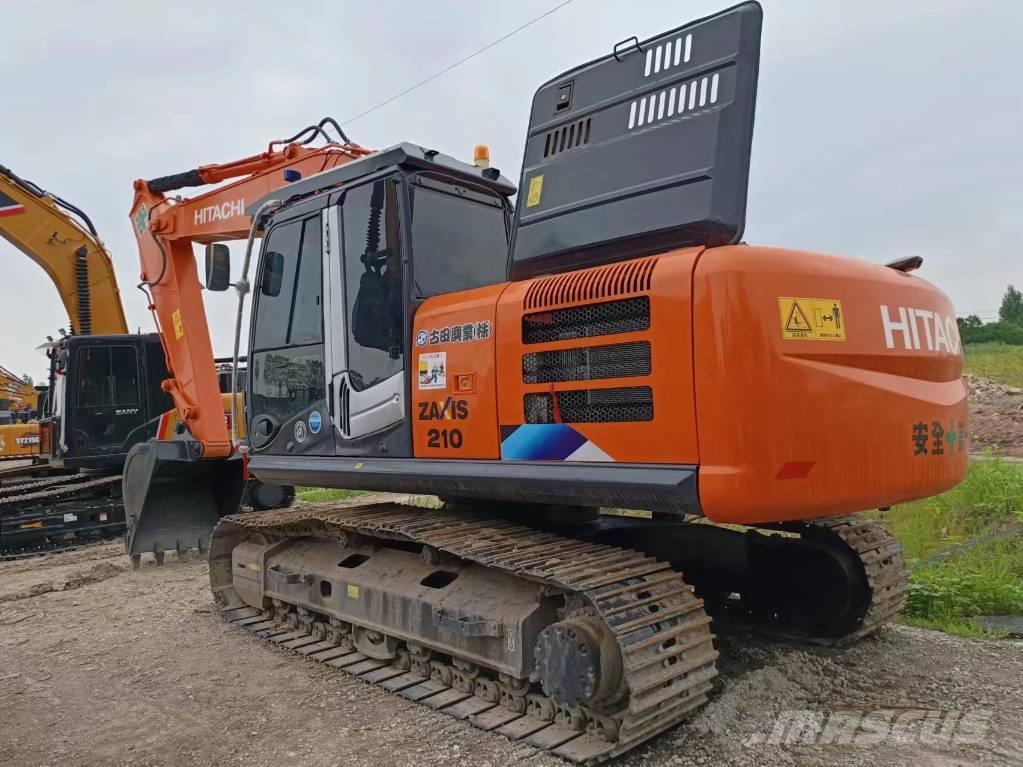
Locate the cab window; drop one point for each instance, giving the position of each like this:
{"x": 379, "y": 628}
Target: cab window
{"x": 459, "y": 238}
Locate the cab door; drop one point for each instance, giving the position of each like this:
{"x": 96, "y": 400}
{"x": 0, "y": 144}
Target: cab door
{"x": 369, "y": 318}
{"x": 287, "y": 405}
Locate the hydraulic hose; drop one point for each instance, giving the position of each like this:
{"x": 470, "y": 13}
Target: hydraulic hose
{"x": 82, "y": 286}
{"x": 38, "y": 191}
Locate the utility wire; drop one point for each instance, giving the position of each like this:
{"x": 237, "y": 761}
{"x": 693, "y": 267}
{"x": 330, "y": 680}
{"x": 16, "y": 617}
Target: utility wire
{"x": 461, "y": 61}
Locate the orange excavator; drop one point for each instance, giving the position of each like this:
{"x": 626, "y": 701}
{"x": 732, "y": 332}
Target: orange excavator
{"x": 607, "y": 343}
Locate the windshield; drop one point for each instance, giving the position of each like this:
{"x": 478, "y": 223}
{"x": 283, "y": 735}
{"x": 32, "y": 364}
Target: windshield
{"x": 459, "y": 240}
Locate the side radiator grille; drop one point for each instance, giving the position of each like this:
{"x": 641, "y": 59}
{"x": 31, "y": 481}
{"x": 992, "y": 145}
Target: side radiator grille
{"x": 634, "y": 403}
{"x": 591, "y": 284}
{"x": 625, "y": 316}
{"x": 567, "y": 137}
{"x": 587, "y": 363}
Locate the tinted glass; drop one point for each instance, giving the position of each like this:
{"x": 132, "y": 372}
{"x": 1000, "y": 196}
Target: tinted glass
{"x": 124, "y": 364}
{"x": 457, "y": 242}
{"x": 287, "y": 381}
{"x": 273, "y": 312}
{"x": 307, "y": 317}
{"x": 93, "y": 377}
{"x": 291, "y": 315}
{"x": 373, "y": 283}
{"x": 107, "y": 376}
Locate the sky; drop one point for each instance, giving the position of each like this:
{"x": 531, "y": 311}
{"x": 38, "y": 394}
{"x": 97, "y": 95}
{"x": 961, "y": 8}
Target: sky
{"x": 883, "y": 129}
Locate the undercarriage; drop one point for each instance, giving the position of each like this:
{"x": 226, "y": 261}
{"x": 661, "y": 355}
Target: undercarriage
{"x": 578, "y": 637}
{"x": 44, "y": 512}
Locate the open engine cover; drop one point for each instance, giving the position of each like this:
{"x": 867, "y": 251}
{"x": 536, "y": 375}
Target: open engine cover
{"x": 657, "y": 135}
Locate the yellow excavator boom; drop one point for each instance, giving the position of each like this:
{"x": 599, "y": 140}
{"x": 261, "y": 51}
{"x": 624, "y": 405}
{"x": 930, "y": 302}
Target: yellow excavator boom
{"x": 62, "y": 240}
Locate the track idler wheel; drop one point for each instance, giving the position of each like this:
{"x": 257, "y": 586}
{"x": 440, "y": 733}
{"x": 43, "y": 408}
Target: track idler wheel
{"x": 578, "y": 662}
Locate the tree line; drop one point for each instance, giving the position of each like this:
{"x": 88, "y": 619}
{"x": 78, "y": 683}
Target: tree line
{"x": 1007, "y": 330}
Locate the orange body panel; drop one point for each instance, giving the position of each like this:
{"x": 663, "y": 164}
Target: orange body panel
{"x": 456, "y": 418}
{"x": 787, "y": 413}
{"x": 671, "y": 436}
{"x": 796, "y": 429}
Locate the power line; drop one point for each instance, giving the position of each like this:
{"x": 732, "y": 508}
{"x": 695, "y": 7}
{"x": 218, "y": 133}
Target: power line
{"x": 461, "y": 61}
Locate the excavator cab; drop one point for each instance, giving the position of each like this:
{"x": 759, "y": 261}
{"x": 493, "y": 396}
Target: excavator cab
{"x": 107, "y": 398}
{"x": 345, "y": 265}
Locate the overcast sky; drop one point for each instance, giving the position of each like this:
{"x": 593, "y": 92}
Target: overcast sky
{"x": 883, "y": 128}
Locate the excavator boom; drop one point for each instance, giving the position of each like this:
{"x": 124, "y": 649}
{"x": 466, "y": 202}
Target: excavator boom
{"x": 173, "y": 494}
{"x": 167, "y": 229}
{"x": 62, "y": 240}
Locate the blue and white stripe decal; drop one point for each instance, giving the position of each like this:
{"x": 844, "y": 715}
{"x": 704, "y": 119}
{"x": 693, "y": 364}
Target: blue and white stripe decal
{"x": 548, "y": 442}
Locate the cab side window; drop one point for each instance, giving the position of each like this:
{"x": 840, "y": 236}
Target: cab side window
{"x": 287, "y": 342}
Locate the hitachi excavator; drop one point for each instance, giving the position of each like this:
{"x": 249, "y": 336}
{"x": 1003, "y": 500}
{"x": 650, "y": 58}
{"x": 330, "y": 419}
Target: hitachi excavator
{"x": 608, "y": 343}
{"x": 104, "y": 389}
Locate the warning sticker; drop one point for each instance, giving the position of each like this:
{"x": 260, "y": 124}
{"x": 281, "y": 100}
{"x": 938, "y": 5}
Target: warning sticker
{"x": 811, "y": 319}
{"x": 179, "y": 329}
{"x": 433, "y": 370}
{"x": 535, "y": 190}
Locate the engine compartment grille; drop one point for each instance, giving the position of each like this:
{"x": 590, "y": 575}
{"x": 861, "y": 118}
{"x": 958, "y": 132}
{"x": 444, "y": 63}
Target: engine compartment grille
{"x": 607, "y": 318}
{"x": 591, "y": 284}
{"x": 625, "y": 404}
{"x": 587, "y": 363}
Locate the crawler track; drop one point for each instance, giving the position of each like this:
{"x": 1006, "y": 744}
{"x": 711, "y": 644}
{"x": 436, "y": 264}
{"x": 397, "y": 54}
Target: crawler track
{"x": 54, "y": 547}
{"x": 885, "y": 565}
{"x": 51, "y": 487}
{"x": 58, "y": 514}
{"x": 659, "y": 625}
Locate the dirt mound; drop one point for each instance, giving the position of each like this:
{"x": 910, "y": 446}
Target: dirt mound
{"x": 75, "y": 579}
{"x": 996, "y": 417}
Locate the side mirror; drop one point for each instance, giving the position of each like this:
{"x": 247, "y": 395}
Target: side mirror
{"x": 218, "y": 267}
{"x": 273, "y": 274}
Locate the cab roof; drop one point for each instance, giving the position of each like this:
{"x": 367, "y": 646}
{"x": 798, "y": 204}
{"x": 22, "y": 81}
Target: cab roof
{"x": 409, "y": 156}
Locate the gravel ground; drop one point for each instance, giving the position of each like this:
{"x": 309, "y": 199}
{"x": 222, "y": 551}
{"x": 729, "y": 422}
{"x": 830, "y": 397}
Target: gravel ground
{"x": 103, "y": 666}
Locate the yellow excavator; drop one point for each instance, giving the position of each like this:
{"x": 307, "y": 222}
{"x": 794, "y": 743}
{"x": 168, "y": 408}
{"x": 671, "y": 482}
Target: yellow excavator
{"x": 19, "y": 411}
{"x": 105, "y": 387}
{"x": 17, "y": 395}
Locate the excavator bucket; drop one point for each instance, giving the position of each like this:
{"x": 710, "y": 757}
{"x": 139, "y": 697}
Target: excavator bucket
{"x": 172, "y": 500}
